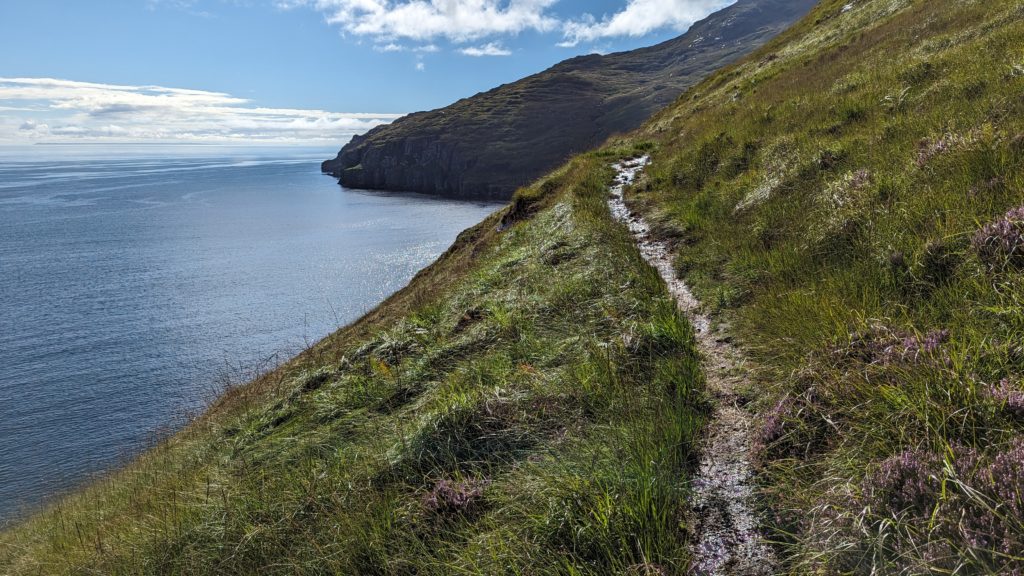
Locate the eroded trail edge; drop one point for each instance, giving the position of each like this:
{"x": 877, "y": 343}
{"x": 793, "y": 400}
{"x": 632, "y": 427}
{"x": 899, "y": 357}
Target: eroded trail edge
{"x": 728, "y": 538}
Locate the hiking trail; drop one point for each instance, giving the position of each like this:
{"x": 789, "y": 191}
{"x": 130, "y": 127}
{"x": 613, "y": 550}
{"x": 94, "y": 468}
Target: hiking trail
{"x": 726, "y": 528}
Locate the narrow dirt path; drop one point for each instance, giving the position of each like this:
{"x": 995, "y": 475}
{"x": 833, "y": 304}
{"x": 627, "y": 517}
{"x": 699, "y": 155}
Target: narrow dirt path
{"x": 728, "y": 539}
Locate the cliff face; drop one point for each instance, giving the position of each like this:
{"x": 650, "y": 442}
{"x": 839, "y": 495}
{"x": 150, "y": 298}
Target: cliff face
{"x": 490, "y": 144}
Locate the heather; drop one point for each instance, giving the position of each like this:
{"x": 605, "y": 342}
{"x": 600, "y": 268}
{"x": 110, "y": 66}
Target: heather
{"x": 849, "y": 201}
{"x": 971, "y": 505}
{"x": 1001, "y": 243}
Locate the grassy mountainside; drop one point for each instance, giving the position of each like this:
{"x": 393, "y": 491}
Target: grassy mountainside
{"x": 527, "y": 405}
{"x": 490, "y": 144}
{"x": 848, "y": 199}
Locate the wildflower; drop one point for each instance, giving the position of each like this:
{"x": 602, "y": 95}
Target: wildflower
{"x": 905, "y": 482}
{"x": 966, "y": 461}
{"x": 933, "y": 340}
{"x": 1006, "y": 473}
{"x": 929, "y": 148}
{"x": 1010, "y": 398}
{"x": 914, "y": 348}
{"x": 1000, "y": 528}
{"x": 1002, "y": 242}
{"x": 774, "y": 427}
{"x": 880, "y": 345}
{"x": 980, "y": 504}
{"x": 452, "y": 496}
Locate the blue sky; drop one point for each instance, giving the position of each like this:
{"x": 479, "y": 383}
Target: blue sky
{"x": 286, "y": 71}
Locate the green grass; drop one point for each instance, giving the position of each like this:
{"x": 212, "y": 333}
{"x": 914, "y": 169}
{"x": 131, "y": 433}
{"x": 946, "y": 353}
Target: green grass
{"x": 823, "y": 196}
{"x": 527, "y": 405}
{"x": 530, "y": 403}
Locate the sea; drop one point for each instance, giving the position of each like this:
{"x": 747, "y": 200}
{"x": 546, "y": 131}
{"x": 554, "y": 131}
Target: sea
{"x": 137, "y": 281}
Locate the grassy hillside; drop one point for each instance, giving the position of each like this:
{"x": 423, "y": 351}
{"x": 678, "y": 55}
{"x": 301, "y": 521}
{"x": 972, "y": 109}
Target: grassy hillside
{"x": 848, "y": 199}
{"x": 527, "y": 405}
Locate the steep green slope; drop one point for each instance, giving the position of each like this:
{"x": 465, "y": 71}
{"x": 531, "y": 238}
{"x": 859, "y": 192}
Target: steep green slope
{"x": 488, "y": 145}
{"x": 526, "y": 405}
{"x": 848, "y": 199}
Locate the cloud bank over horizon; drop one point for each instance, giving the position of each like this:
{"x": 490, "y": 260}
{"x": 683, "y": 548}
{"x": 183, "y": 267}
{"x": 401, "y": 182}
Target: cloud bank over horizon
{"x": 391, "y": 22}
{"x": 47, "y": 110}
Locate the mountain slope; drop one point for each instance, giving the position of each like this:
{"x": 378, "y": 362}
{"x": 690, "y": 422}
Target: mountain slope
{"x": 490, "y": 144}
{"x": 850, "y": 200}
{"x": 484, "y": 420}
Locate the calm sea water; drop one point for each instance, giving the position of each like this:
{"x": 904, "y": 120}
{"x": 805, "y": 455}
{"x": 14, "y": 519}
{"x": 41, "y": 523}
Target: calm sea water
{"x": 130, "y": 284}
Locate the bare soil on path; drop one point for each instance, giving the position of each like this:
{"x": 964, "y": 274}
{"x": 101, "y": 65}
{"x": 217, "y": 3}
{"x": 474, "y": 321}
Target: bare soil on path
{"x": 727, "y": 539}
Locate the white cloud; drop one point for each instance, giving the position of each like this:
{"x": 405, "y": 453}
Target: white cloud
{"x": 460, "y": 21}
{"x": 420, "y": 66}
{"x": 456, "y": 20}
{"x": 46, "y": 109}
{"x": 489, "y": 49}
{"x": 392, "y": 47}
{"x": 639, "y": 18}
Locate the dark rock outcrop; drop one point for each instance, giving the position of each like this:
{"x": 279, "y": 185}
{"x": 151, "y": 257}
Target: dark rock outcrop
{"x": 488, "y": 145}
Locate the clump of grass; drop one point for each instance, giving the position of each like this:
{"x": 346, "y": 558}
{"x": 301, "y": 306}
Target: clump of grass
{"x": 484, "y": 432}
{"x": 938, "y": 262}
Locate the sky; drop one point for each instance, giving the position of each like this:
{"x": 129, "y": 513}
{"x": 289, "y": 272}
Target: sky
{"x": 286, "y": 71}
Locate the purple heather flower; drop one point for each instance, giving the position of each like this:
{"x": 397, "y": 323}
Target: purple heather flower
{"x": 1002, "y": 241}
{"x": 999, "y": 526}
{"x": 966, "y": 461}
{"x": 774, "y": 426}
{"x": 907, "y": 481}
{"x": 908, "y": 348}
{"x": 934, "y": 340}
{"x": 1007, "y": 476}
{"x": 1011, "y": 398}
{"x": 982, "y": 508}
{"x": 454, "y": 496}
{"x": 928, "y": 148}
{"x": 880, "y": 345}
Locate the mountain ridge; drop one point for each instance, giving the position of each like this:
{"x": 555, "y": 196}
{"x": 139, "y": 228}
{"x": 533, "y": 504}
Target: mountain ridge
{"x": 487, "y": 145}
